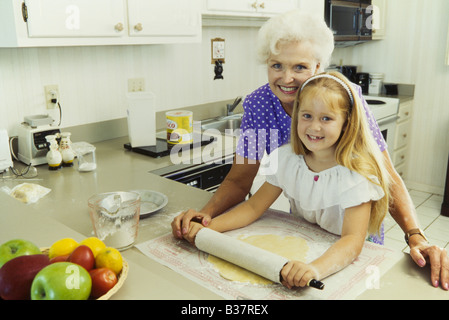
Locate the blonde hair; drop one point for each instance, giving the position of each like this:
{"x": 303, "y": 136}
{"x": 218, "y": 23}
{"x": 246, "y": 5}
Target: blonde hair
{"x": 296, "y": 26}
{"x": 356, "y": 148}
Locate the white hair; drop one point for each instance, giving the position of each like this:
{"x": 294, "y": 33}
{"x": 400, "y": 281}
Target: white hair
{"x": 296, "y": 26}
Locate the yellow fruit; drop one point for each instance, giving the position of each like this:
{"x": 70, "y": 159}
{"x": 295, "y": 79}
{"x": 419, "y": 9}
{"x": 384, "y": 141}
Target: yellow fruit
{"x": 62, "y": 247}
{"x": 95, "y": 244}
{"x": 109, "y": 258}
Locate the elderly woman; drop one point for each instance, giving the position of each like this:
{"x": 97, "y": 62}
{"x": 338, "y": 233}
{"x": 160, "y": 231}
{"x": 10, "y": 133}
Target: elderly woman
{"x": 296, "y": 46}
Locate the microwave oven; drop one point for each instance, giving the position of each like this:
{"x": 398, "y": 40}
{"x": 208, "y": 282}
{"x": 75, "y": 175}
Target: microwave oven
{"x": 349, "y": 20}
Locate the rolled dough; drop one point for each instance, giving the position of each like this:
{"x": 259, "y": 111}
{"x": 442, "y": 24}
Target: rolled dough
{"x": 292, "y": 248}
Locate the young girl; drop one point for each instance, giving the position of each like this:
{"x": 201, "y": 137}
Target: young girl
{"x": 332, "y": 172}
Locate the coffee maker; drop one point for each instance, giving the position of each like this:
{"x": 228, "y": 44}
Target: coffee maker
{"x": 362, "y": 79}
{"x": 350, "y": 72}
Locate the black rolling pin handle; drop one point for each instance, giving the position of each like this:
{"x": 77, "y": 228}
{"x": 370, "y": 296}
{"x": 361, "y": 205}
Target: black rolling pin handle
{"x": 315, "y": 284}
{"x": 312, "y": 283}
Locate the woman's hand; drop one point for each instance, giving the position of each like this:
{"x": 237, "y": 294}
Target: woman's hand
{"x": 422, "y": 253}
{"x": 297, "y": 274}
{"x": 181, "y": 224}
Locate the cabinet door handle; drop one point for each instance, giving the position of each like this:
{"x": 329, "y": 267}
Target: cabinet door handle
{"x": 254, "y": 5}
{"x": 119, "y": 27}
{"x": 405, "y": 135}
{"x": 262, "y": 5}
{"x": 138, "y": 27}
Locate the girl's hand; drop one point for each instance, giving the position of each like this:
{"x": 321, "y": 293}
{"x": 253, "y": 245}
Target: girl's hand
{"x": 297, "y": 274}
{"x": 193, "y": 230}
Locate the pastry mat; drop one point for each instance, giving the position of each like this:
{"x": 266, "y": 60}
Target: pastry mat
{"x": 363, "y": 274}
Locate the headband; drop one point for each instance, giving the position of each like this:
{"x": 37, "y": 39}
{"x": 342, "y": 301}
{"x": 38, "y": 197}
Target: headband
{"x": 341, "y": 82}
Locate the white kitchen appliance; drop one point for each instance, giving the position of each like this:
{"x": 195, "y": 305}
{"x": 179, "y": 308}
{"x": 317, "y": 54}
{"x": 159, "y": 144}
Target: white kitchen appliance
{"x": 385, "y": 111}
{"x": 33, "y": 147}
{"x": 5, "y": 153}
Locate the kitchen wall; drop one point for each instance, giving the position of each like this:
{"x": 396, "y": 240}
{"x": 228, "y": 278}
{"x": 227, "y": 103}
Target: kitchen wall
{"x": 93, "y": 80}
{"x": 413, "y": 52}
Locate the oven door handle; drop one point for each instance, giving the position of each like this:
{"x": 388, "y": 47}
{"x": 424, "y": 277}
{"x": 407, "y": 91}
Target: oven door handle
{"x": 387, "y": 120}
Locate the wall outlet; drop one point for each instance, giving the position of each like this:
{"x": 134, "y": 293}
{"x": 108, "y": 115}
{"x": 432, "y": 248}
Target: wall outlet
{"x": 51, "y": 92}
{"x": 136, "y": 85}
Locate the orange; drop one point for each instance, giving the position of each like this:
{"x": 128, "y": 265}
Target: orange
{"x": 95, "y": 244}
{"x": 62, "y": 247}
{"x": 109, "y": 258}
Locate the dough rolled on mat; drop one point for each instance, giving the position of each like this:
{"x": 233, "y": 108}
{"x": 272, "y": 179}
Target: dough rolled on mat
{"x": 245, "y": 255}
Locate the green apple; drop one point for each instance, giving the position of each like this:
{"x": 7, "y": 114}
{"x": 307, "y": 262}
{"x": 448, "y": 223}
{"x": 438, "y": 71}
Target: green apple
{"x": 61, "y": 281}
{"x": 16, "y": 248}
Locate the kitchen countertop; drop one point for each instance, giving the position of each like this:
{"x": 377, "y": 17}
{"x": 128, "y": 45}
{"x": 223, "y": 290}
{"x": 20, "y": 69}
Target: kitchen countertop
{"x": 63, "y": 213}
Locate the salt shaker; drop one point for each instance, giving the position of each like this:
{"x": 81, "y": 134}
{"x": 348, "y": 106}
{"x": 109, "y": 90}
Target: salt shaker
{"x": 66, "y": 150}
{"x": 54, "y": 157}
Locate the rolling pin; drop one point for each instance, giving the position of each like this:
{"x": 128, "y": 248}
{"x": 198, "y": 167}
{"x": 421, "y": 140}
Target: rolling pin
{"x": 245, "y": 255}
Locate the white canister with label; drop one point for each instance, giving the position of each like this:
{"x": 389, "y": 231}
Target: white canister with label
{"x": 376, "y": 83}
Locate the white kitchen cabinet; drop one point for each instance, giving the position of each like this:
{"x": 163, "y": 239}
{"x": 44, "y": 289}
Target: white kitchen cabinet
{"x": 81, "y": 18}
{"x": 312, "y": 6}
{"x": 243, "y": 13}
{"x": 164, "y": 18}
{"x": 249, "y": 7}
{"x": 402, "y": 138}
{"x": 379, "y": 9}
{"x": 35, "y": 23}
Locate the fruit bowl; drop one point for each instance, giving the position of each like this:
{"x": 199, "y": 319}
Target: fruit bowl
{"x": 121, "y": 277}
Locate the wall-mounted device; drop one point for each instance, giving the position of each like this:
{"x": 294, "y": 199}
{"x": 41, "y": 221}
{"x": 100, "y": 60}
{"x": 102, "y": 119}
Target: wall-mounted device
{"x": 33, "y": 147}
{"x": 218, "y": 56}
{"x": 217, "y": 50}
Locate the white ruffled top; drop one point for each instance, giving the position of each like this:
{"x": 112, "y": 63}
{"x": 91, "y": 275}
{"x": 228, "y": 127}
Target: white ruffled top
{"x": 320, "y": 198}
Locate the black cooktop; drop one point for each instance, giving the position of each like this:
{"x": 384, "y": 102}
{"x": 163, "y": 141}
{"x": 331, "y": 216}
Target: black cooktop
{"x": 376, "y": 102}
{"x": 161, "y": 149}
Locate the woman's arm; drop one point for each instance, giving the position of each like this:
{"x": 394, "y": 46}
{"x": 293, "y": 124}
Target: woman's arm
{"x": 231, "y": 192}
{"x": 242, "y": 215}
{"x": 338, "y": 256}
{"x": 422, "y": 252}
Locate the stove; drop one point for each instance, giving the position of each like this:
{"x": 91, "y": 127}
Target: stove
{"x": 382, "y": 107}
{"x": 385, "y": 111}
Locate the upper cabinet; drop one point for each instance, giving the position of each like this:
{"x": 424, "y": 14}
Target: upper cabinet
{"x": 249, "y": 7}
{"x": 162, "y": 18}
{"x": 379, "y": 10}
{"x": 253, "y": 13}
{"x": 42, "y": 23}
{"x": 81, "y": 18}
{"x": 34, "y": 23}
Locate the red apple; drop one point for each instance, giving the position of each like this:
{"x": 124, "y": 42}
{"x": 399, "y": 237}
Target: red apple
{"x": 16, "y": 276}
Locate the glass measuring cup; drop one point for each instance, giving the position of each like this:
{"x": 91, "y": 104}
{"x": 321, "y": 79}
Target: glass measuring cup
{"x": 85, "y": 153}
{"x": 115, "y": 218}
